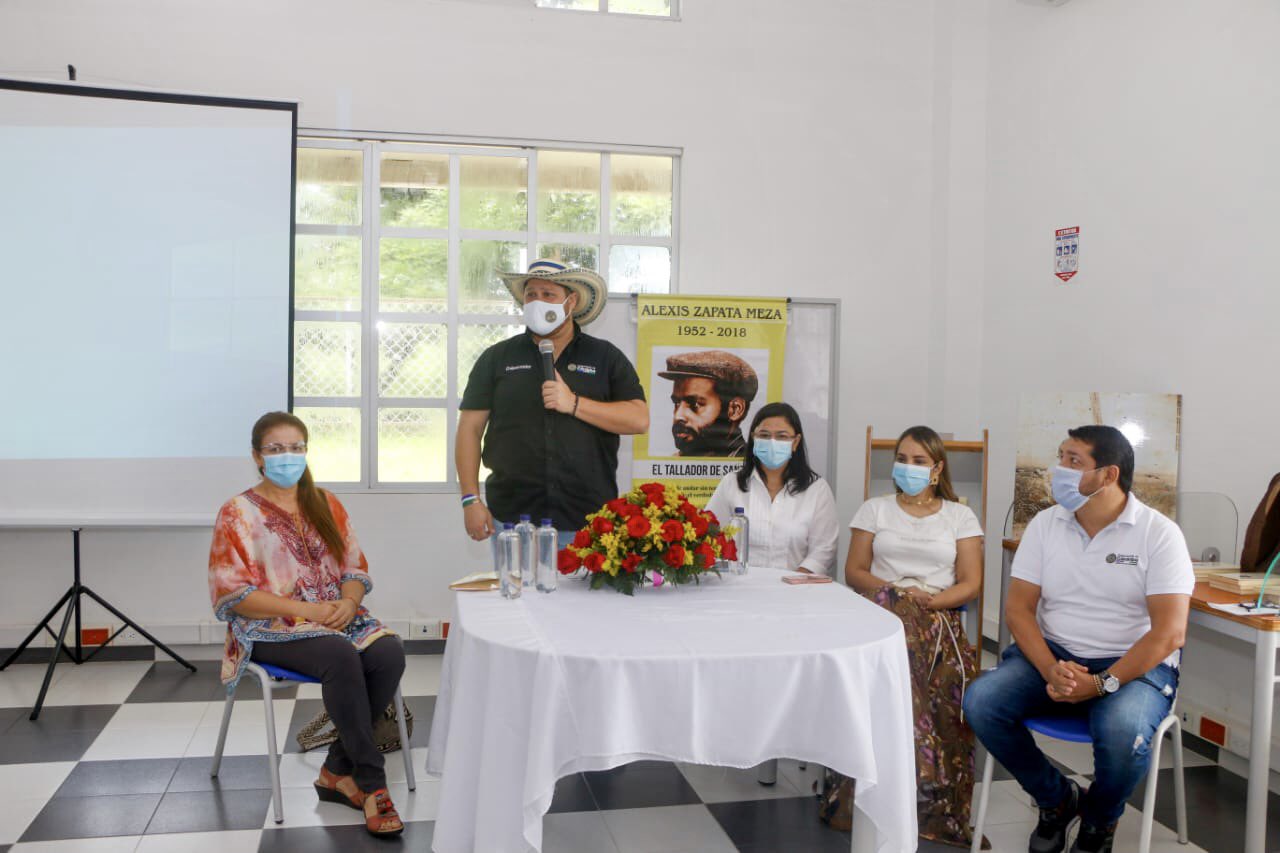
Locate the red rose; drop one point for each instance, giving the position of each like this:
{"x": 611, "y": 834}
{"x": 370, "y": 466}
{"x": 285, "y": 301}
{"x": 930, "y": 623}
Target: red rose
{"x": 656, "y": 498}
{"x": 593, "y": 561}
{"x": 707, "y": 553}
{"x": 630, "y": 510}
{"x": 700, "y": 525}
{"x": 674, "y": 556}
{"x": 729, "y": 551}
{"x": 567, "y": 562}
{"x": 689, "y": 511}
{"x": 672, "y": 531}
{"x": 721, "y": 541}
{"x": 648, "y": 488}
{"x": 711, "y": 515}
{"x": 637, "y": 526}
{"x": 602, "y": 525}
{"x": 617, "y": 506}
{"x": 582, "y": 539}
{"x": 630, "y": 562}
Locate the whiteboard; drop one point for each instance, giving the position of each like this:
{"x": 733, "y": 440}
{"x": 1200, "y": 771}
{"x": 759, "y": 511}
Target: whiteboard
{"x": 146, "y": 253}
{"x": 810, "y": 376}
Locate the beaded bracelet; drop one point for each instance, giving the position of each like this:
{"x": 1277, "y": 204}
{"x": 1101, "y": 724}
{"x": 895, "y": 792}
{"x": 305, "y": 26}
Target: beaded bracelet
{"x": 468, "y": 500}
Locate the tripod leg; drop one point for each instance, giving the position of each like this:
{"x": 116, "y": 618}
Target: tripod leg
{"x": 135, "y": 626}
{"x": 44, "y": 623}
{"x": 48, "y": 674}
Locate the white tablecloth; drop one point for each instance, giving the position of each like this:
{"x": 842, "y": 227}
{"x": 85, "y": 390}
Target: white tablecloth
{"x": 730, "y": 673}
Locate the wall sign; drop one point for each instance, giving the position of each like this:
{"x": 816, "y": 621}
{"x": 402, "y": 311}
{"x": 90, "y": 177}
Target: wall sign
{"x": 1066, "y": 261}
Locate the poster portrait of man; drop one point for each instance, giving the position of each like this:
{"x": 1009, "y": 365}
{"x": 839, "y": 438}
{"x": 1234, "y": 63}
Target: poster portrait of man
{"x": 711, "y": 395}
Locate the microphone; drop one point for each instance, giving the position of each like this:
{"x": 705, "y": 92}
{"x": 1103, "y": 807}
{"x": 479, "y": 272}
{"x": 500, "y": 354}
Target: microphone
{"x": 548, "y": 362}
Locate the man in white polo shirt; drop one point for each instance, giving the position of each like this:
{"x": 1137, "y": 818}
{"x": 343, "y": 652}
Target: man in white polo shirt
{"x": 1098, "y": 611}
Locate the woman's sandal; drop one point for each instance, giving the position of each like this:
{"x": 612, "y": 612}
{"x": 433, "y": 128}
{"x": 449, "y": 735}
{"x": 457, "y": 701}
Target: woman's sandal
{"x": 385, "y": 821}
{"x": 328, "y": 790}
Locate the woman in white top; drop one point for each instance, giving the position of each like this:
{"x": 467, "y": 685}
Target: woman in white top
{"x": 918, "y": 552}
{"x": 790, "y": 509}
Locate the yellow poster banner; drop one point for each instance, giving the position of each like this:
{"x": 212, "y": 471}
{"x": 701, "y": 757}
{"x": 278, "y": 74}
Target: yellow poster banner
{"x": 706, "y": 363}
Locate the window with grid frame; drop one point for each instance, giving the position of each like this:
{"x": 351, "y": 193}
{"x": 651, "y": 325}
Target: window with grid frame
{"x": 648, "y": 8}
{"x": 396, "y": 292}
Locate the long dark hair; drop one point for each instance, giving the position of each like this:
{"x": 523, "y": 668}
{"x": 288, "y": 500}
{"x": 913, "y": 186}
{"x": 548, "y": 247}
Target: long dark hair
{"x": 932, "y": 444}
{"x": 311, "y": 498}
{"x": 797, "y": 476}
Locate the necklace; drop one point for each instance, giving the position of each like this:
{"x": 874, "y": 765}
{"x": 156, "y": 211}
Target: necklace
{"x": 909, "y": 502}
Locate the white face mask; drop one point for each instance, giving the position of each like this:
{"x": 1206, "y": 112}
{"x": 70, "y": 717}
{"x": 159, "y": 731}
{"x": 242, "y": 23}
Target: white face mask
{"x": 543, "y": 318}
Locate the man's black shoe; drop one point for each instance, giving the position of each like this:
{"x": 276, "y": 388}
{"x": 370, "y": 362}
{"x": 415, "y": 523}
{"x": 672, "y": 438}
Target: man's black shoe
{"x": 1094, "y": 840}
{"x": 1051, "y": 833}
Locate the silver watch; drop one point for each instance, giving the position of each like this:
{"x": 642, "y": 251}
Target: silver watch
{"x": 1110, "y": 684}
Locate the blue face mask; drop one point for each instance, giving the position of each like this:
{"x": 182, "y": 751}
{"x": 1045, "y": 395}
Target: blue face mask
{"x": 284, "y": 469}
{"x": 912, "y": 479}
{"x": 1065, "y": 483}
{"x": 772, "y": 453}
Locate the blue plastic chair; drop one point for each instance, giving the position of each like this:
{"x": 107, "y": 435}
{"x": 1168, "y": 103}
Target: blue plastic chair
{"x": 1076, "y": 730}
{"x": 271, "y": 677}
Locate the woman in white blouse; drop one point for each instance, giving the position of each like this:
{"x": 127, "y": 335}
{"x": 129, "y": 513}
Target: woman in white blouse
{"x": 791, "y": 510}
{"x": 918, "y": 552}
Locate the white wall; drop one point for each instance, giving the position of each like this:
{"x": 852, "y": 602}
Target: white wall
{"x": 1153, "y": 126}
{"x": 818, "y": 142}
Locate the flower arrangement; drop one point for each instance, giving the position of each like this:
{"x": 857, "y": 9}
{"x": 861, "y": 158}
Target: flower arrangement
{"x": 652, "y": 534}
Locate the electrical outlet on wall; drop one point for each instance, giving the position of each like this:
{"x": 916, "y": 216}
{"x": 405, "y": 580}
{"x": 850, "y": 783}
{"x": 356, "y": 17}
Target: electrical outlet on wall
{"x": 425, "y": 629}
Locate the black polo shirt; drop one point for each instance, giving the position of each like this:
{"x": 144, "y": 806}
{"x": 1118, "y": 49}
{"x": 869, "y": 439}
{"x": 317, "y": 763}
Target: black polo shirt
{"x": 544, "y": 463}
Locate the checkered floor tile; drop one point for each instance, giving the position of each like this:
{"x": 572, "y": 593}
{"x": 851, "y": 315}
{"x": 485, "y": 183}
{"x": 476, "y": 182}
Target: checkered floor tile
{"x": 119, "y": 760}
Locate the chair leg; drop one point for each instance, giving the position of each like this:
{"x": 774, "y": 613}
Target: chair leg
{"x": 1153, "y": 777}
{"x": 222, "y": 733}
{"x": 988, "y": 772}
{"x": 273, "y": 755}
{"x": 1179, "y": 783}
{"x": 767, "y": 772}
{"x": 404, "y": 742}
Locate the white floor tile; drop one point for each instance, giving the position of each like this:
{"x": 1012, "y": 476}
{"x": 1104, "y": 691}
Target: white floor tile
{"x": 1009, "y": 837}
{"x": 1162, "y": 837}
{"x": 17, "y": 815}
{"x": 245, "y": 712}
{"x": 576, "y": 832}
{"x": 1004, "y": 806}
{"x": 422, "y": 804}
{"x": 31, "y": 781}
{"x": 300, "y": 769}
{"x": 96, "y": 683}
{"x": 395, "y": 764}
{"x": 239, "y": 841}
{"x": 729, "y": 784}
{"x": 157, "y": 715}
{"x": 669, "y": 829}
{"x": 802, "y": 780}
{"x": 123, "y": 744}
{"x": 115, "y": 844}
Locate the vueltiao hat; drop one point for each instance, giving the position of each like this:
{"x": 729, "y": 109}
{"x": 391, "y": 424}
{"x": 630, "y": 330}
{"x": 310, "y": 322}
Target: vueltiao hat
{"x": 590, "y": 287}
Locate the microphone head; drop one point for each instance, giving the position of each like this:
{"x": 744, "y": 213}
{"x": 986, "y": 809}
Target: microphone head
{"x": 545, "y": 346}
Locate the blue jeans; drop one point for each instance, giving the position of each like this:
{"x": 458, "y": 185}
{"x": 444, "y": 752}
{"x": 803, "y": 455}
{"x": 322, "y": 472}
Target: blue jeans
{"x": 1122, "y": 726}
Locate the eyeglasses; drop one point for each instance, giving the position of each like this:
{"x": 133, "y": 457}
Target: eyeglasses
{"x": 276, "y": 449}
{"x": 776, "y": 436}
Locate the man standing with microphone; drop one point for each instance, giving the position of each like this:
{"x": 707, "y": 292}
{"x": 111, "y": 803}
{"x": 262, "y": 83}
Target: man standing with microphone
{"x": 544, "y": 409}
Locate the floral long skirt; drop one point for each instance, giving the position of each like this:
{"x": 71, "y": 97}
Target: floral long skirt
{"x": 942, "y": 662}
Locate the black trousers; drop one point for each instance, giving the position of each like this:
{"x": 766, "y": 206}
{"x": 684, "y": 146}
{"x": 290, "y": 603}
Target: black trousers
{"x": 356, "y": 686}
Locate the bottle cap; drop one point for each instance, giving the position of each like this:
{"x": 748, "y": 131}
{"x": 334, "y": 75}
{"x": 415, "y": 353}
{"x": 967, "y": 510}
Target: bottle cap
{"x": 524, "y": 517}
{"x": 740, "y": 509}
{"x": 546, "y": 522}
{"x": 508, "y": 526}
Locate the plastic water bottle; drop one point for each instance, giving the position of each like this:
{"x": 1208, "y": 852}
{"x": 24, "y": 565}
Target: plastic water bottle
{"x": 524, "y": 531}
{"x": 545, "y": 539}
{"x": 742, "y": 539}
{"x": 509, "y": 561}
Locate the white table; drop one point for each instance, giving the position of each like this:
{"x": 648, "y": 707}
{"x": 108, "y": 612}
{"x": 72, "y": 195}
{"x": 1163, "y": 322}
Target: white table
{"x": 730, "y": 673}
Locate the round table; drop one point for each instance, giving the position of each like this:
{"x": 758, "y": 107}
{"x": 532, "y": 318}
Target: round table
{"x": 731, "y": 672}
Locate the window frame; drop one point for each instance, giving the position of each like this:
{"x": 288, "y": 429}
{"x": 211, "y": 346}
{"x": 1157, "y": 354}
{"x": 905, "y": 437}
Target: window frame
{"x": 371, "y": 232}
{"x": 604, "y": 10}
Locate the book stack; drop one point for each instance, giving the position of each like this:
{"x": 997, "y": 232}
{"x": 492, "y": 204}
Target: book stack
{"x": 1240, "y": 583}
{"x": 1206, "y": 571}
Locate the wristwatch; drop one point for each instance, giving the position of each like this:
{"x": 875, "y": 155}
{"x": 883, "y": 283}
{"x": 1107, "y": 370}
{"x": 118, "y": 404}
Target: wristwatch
{"x": 1106, "y": 682}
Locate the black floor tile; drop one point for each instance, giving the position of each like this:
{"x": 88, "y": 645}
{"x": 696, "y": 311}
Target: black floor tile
{"x": 92, "y": 817}
{"x": 781, "y": 825}
{"x": 424, "y": 710}
{"x": 168, "y": 681}
{"x": 345, "y": 839}
{"x": 9, "y": 716}
{"x": 110, "y": 653}
{"x": 64, "y": 718}
{"x": 1215, "y": 808}
{"x": 642, "y": 784}
{"x": 236, "y": 773}
{"x": 112, "y": 778}
{"x": 572, "y": 795}
{"x": 210, "y": 811}
{"x": 35, "y": 747}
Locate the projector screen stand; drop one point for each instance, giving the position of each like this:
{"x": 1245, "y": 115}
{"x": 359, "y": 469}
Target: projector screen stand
{"x": 76, "y": 655}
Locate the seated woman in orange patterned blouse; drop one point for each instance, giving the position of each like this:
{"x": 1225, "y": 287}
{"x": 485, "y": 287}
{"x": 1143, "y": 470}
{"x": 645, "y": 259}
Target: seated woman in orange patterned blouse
{"x": 288, "y": 577}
